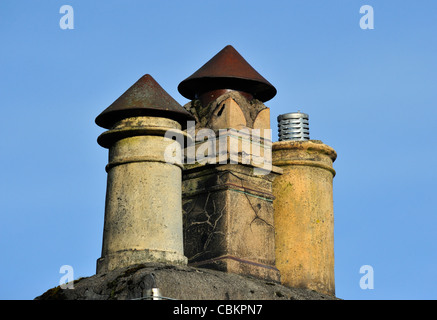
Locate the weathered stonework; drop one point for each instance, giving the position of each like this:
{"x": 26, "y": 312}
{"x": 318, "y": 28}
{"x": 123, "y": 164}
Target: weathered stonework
{"x": 228, "y": 208}
{"x": 228, "y": 220}
{"x": 304, "y": 214}
{"x": 143, "y": 220}
{"x": 215, "y": 198}
{"x": 230, "y": 110}
{"x": 176, "y": 282}
{"x": 143, "y": 209}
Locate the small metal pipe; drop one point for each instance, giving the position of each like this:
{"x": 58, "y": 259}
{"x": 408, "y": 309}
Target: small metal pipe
{"x": 154, "y": 294}
{"x": 293, "y": 126}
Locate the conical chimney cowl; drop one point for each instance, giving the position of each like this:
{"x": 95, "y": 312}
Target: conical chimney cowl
{"x": 227, "y": 70}
{"x": 144, "y": 98}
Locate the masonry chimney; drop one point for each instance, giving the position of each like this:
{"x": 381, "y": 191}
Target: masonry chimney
{"x": 228, "y": 207}
{"x": 303, "y": 206}
{"x": 143, "y": 210}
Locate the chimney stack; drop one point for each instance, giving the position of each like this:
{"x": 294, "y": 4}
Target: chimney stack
{"x": 228, "y": 207}
{"x": 303, "y": 206}
{"x": 238, "y": 202}
{"x": 143, "y": 210}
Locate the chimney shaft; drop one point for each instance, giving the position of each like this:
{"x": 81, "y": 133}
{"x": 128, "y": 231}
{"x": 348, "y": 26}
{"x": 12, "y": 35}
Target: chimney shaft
{"x": 143, "y": 210}
{"x": 304, "y": 214}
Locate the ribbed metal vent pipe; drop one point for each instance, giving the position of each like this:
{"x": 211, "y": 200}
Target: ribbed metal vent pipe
{"x": 293, "y": 126}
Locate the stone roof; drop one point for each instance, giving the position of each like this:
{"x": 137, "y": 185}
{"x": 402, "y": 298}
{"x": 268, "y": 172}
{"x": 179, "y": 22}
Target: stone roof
{"x": 179, "y": 283}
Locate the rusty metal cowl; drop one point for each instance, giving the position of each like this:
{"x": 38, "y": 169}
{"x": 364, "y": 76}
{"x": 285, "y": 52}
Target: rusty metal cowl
{"x": 227, "y": 70}
{"x": 144, "y": 98}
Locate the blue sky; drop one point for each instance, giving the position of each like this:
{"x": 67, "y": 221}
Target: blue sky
{"x": 370, "y": 95}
